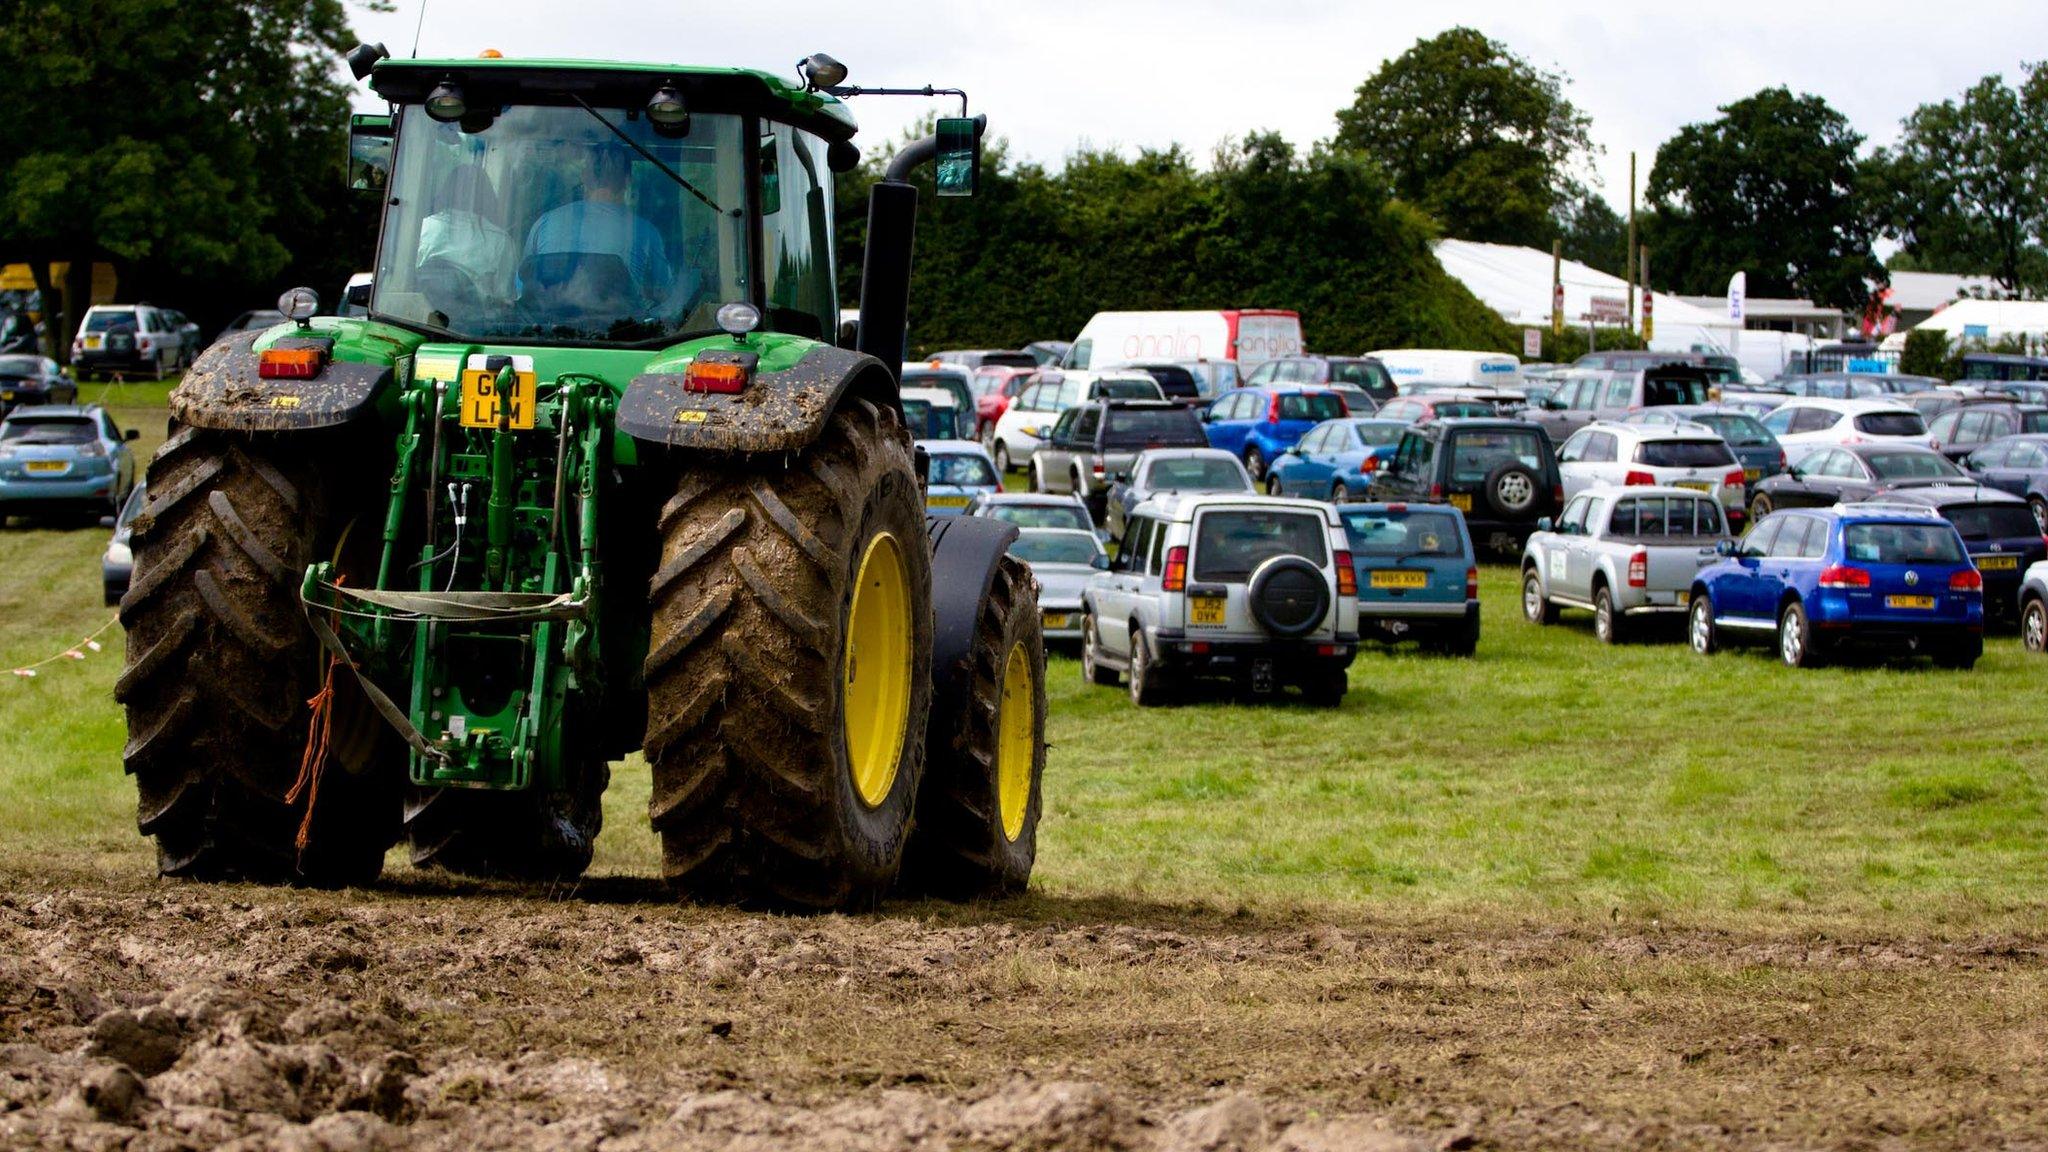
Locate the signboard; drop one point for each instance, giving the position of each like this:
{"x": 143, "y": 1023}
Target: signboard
{"x": 1609, "y": 310}
{"x": 1557, "y": 309}
{"x": 1976, "y": 331}
{"x": 1532, "y": 343}
{"x": 1649, "y": 324}
{"x": 1738, "y": 297}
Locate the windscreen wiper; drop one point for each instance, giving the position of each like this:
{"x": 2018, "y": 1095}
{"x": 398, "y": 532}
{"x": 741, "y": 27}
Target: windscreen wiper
{"x": 635, "y": 145}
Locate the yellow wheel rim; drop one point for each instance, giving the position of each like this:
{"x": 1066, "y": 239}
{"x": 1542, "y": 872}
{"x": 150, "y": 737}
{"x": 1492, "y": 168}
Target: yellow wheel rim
{"x": 878, "y": 636}
{"x": 1014, "y": 743}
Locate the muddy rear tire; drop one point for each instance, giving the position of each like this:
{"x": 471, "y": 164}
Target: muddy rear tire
{"x": 977, "y": 823}
{"x": 221, "y": 664}
{"x": 527, "y": 835}
{"x": 769, "y": 786}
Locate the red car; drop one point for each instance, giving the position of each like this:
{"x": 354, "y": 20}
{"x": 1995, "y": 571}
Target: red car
{"x": 994, "y": 387}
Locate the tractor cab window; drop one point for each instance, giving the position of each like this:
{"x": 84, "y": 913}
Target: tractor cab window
{"x": 796, "y": 225}
{"x": 545, "y": 226}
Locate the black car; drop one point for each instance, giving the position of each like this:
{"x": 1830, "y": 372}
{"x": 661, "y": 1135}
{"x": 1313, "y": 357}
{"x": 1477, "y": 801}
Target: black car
{"x": 26, "y": 378}
{"x": 1501, "y": 473}
{"x": 1849, "y": 473}
{"x": 1999, "y": 532}
{"x": 1963, "y": 429}
{"x": 2016, "y": 464}
{"x": 1361, "y": 372}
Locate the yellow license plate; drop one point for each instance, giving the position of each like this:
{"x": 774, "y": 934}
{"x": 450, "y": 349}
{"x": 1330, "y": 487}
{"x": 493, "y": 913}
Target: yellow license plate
{"x": 1397, "y": 578}
{"x": 1057, "y": 619}
{"x": 92, "y": 341}
{"x": 947, "y": 502}
{"x": 1206, "y": 610}
{"x": 1752, "y": 475}
{"x": 1998, "y": 563}
{"x": 47, "y": 466}
{"x": 1461, "y": 501}
{"x": 480, "y": 399}
{"x": 6, "y": 396}
{"x": 1922, "y": 602}
{"x": 1695, "y": 485}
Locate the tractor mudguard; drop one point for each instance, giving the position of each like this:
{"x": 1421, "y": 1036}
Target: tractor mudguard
{"x": 776, "y": 411}
{"x": 222, "y": 390}
{"x": 965, "y": 552}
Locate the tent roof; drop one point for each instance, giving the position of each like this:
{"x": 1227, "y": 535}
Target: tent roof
{"x": 1998, "y": 318}
{"x": 1515, "y": 282}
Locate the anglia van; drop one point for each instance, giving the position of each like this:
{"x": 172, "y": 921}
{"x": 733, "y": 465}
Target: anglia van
{"x": 1247, "y": 336}
{"x": 1420, "y": 368}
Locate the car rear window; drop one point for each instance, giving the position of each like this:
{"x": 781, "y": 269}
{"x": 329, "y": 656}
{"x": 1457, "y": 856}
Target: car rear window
{"x": 1378, "y": 434}
{"x": 1683, "y": 453}
{"x": 1040, "y": 516}
{"x": 1992, "y": 521}
{"x": 1135, "y": 427}
{"x": 1640, "y": 516}
{"x": 1312, "y": 406}
{"x": 108, "y": 321}
{"x": 1008, "y": 360}
{"x": 960, "y": 468}
{"x": 1476, "y": 453}
{"x": 1364, "y": 373}
{"x": 1054, "y": 548}
{"x": 1416, "y": 532}
{"x": 1176, "y": 382}
{"x": 1456, "y": 409}
{"x": 1197, "y": 475}
{"x": 1128, "y": 389}
{"x": 1901, "y": 544}
{"x": 1911, "y": 465}
{"x": 1230, "y": 544}
{"x": 1740, "y": 431}
{"x": 1891, "y": 424}
{"x": 1659, "y": 390}
{"x": 2034, "y": 421}
{"x": 50, "y": 430}
{"x": 20, "y": 365}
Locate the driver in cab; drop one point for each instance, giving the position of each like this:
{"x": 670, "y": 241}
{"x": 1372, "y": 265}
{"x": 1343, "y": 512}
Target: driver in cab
{"x": 595, "y": 255}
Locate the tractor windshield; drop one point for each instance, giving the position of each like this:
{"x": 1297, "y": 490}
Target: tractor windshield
{"x": 547, "y": 226}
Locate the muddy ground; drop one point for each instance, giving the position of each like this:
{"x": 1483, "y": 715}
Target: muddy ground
{"x": 429, "y": 1015}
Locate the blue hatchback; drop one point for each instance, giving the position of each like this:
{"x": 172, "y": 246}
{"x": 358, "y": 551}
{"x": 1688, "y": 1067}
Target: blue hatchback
{"x": 1257, "y": 424}
{"x": 1817, "y": 581}
{"x": 63, "y": 459}
{"x": 1335, "y": 460}
{"x": 1417, "y": 576}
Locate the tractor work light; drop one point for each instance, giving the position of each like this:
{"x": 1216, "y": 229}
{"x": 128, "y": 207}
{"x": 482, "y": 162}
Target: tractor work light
{"x": 665, "y": 109}
{"x": 363, "y": 57}
{"x": 738, "y": 318}
{"x": 445, "y": 102}
{"x": 821, "y": 71}
{"x": 299, "y": 304}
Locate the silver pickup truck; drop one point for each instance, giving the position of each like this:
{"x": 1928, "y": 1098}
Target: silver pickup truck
{"x": 1620, "y": 552}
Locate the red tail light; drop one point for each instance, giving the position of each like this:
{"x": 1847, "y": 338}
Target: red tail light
{"x": 1557, "y": 493}
{"x": 1843, "y": 576}
{"x": 1639, "y": 569}
{"x": 1967, "y": 580}
{"x": 1347, "y": 577}
{"x": 1471, "y": 583}
{"x": 1273, "y": 411}
{"x": 1436, "y": 491}
{"x": 290, "y": 363}
{"x": 1175, "y": 578}
{"x": 1369, "y": 464}
{"x": 1733, "y": 479}
{"x": 1099, "y": 468}
{"x": 1781, "y": 461}
{"x": 1634, "y": 478}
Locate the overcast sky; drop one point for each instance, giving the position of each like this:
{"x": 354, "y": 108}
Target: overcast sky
{"x": 1137, "y": 73}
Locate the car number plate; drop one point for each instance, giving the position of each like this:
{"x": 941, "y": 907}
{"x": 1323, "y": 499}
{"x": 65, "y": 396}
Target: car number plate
{"x": 92, "y": 342}
{"x": 6, "y": 396}
{"x": 1998, "y": 563}
{"x": 947, "y": 502}
{"x": 47, "y": 466}
{"x": 1397, "y": 578}
{"x": 1461, "y": 501}
{"x": 1922, "y": 602}
{"x": 480, "y": 399}
{"x": 1206, "y": 611}
{"x": 1752, "y": 475}
{"x": 1694, "y": 485}
{"x": 1057, "y": 619}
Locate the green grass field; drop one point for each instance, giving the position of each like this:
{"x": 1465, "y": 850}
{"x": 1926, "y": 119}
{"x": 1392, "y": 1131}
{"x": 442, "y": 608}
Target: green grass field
{"x": 1548, "y": 776}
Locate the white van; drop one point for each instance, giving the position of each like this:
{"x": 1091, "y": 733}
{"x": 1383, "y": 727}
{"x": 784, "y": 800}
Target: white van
{"x": 1248, "y": 336}
{"x": 1414, "y": 368}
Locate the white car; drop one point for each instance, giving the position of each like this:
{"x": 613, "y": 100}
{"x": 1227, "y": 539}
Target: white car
{"x": 1024, "y": 426}
{"x": 1063, "y": 560}
{"x": 1689, "y": 456}
{"x": 1804, "y": 424}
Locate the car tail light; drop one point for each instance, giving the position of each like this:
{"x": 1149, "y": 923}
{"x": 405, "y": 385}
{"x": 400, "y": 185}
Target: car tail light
{"x": 1471, "y": 583}
{"x": 1639, "y": 569}
{"x": 1347, "y": 577}
{"x": 1199, "y": 648}
{"x": 1175, "y": 578}
{"x": 1099, "y": 469}
{"x": 1733, "y": 479}
{"x": 1634, "y": 478}
{"x": 1781, "y": 460}
{"x": 1843, "y": 576}
{"x": 144, "y": 344}
{"x": 91, "y": 448}
{"x": 1273, "y": 411}
{"x": 1966, "y": 580}
{"x": 1436, "y": 491}
{"x": 1326, "y": 649}
{"x": 290, "y": 363}
{"x": 1369, "y": 464}
{"x": 1557, "y": 494}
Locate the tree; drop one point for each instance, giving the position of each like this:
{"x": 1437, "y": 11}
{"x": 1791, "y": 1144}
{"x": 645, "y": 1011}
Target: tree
{"x": 1966, "y": 188}
{"x": 1771, "y": 188}
{"x": 1474, "y": 135}
{"x": 171, "y": 141}
{"x": 1595, "y": 235}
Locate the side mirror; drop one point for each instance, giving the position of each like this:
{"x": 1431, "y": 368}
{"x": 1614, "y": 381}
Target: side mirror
{"x": 1208, "y": 415}
{"x": 1553, "y": 404}
{"x": 1100, "y": 563}
{"x": 131, "y": 434}
{"x": 369, "y": 152}
{"x": 1724, "y": 547}
{"x": 1121, "y": 477}
{"x": 959, "y": 164}
{"x": 1543, "y": 524}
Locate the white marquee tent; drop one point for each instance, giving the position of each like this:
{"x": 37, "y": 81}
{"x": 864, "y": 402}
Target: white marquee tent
{"x": 1991, "y": 320}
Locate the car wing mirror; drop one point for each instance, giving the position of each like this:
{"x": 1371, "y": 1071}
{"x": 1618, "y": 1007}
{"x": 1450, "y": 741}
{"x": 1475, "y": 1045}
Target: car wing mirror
{"x": 132, "y": 434}
{"x": 1724, "y": 547}
{"x": 1100, "y": 563}
{"x": 369, "y": 152}
{"x": 1543, "y": 524}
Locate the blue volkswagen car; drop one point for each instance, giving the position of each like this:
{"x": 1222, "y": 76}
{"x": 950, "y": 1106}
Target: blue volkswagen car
{"x": 1818, "y": 581}
{"x": 1335, "y": 460}
{"x": 1417, "y": 576}
{"x": 1257, "y": 424}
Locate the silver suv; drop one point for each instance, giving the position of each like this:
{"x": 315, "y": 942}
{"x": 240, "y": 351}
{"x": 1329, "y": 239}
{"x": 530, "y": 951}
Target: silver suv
{"x": 1258, "y": 590}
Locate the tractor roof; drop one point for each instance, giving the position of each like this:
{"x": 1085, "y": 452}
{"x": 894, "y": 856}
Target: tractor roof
{"x": 614, "y": 84}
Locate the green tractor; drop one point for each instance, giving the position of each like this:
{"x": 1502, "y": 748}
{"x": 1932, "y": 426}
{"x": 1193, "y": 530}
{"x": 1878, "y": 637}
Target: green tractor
{"x": 590, "y": 477}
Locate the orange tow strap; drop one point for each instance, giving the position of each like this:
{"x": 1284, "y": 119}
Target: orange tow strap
{"x": 319, "y": 734}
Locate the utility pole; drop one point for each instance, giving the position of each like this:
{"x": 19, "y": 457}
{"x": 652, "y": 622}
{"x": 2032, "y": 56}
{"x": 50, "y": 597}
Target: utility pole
{"x": 1630, "y": 264}
{"x": 1557, "y": 287}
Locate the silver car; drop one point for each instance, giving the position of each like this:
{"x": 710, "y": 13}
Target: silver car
{"x": 1062, "y": 559}
{"x": 1620, "y": 553}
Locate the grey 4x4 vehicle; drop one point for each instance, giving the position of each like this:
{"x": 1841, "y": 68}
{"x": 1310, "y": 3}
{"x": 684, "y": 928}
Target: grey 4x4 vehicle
{"x": 1621, "y": 553}
{"x": 1502, "y": 474}
{"x": 1094, "y": 444}
{"x": 1258, "y": 590}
